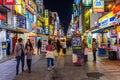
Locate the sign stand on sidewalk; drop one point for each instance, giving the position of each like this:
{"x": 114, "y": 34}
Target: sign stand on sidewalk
{"x": 77, "y": 55}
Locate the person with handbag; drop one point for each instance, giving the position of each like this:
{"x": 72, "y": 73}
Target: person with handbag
{"x": 94, "y": 49}
{"x": 50, "y": 55}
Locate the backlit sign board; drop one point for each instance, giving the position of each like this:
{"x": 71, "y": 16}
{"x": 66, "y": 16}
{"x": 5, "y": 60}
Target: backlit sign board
{"x": 98, "y": 5}
{"x": 9, "y": 2}
{"x": 0, "y": 2}
{"x": 107, "y": 20}
{"x": 87, "y": 2}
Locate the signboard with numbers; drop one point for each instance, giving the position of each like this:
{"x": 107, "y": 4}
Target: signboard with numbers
{"x": 77, "y": 50}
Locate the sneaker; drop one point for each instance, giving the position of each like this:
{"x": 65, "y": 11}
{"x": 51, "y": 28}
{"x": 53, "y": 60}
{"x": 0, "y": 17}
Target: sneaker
{"x": 48, "y": 69}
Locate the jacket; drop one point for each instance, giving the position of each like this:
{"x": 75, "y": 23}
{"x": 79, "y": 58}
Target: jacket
{"x": 18, "y": 50}
{"x": 29, "y": 54}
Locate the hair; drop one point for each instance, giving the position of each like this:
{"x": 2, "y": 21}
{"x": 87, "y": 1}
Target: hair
{"x": 86, "y": 45}
{"x": 49, "y": 41}
{"x": 20, "y": 40}
{"x": 30, "y": 47}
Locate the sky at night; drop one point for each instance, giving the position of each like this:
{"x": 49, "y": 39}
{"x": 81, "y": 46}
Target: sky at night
{"x": 64, "y": 9}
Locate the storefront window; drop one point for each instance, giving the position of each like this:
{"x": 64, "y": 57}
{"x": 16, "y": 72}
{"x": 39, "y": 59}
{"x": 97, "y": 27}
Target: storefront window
{"x": 3, "y": 18}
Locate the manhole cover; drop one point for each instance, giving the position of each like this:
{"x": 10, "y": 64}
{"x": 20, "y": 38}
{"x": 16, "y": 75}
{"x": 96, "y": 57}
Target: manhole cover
{"x": 96, "y": 75}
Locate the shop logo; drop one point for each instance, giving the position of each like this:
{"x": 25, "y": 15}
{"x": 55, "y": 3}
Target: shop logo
{"x": 105, "y": 22}
{"x": 98, "y": 3}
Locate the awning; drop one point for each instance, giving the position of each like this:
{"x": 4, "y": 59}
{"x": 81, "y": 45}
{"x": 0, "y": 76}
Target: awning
{"x": 22, "y": 30}
{"x": 100, "y": 30}
{"x": 16, "y": 30}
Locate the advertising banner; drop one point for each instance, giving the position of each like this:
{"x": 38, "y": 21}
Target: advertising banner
{"x": 77, "y": 51}
{"x": 98, "y": 5}
{"x": 9, "y": 2}
{"x": 1, "y": 2}
{"x": 87, "y": 19}
{"x": 20, "y": 7}
{"x": 113, "y": 32}
{"x": 20, "y": 21}
{"x": 87, "y": 3}
{"x": 107, "y": 20}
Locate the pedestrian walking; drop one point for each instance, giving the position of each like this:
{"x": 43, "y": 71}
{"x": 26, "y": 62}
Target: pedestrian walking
{"x": 64, "y": 46}
{"x": 39, "y": 45}
{"x": 28, "y": 43}
{"x": 19, "y": 54}
{"x": 86, "y": 53}
{"x": 94, "y": 48}
{"x": 50, "y": 55}
{"x": 58, "y": 46}
{"x": 29, "y": 53}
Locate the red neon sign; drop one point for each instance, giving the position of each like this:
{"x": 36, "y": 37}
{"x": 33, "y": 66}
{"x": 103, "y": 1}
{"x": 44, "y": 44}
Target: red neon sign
{"x": 9, "y": 2}
{"x": 2, "y": 17}
{"x": 116, "y": 9}
{"x": 0, "y": 2}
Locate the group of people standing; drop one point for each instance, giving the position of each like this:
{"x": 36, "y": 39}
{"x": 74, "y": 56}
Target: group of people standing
{"x": 20, "y": 51}
{"x": 85, "y": 49}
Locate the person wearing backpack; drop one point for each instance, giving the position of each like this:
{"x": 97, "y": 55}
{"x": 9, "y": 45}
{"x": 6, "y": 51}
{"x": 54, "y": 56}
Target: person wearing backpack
{"x": 19, "y": 54}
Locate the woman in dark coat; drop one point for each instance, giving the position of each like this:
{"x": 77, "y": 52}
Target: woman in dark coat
{"x": 28, "y": 43}
{"x": 58, "y": 46}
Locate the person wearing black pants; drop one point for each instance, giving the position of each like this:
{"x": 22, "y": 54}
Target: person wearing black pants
{"x": 94, "y": 56}
{"x": 19, "y": 54}
{"x": 29, "y": 65}
{"x": 29, "y": 58}
{"x": 94, "y": 48}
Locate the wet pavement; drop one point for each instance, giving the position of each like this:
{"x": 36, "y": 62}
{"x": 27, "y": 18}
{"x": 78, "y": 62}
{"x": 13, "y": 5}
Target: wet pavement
{"x": 102, "y": 69}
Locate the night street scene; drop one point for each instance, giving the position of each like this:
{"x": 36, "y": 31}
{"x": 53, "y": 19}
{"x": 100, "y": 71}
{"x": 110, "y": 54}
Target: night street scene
{"x": 59, "y": 39}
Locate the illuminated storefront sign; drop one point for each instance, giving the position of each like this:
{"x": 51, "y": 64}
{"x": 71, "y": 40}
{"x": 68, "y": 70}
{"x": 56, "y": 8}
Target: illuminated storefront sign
{"x": 19, "y": 21}
{"x": 107, "y": 20}
{"x": 116, "y": 9}
{"x": 20, "y": 7}
{"x": 87, "y": 2}
{"x": 9, "y": 2}
{"x": 98, "y": 5}
{"x": 2, "y": 17}
{"x": 0, "y": 2}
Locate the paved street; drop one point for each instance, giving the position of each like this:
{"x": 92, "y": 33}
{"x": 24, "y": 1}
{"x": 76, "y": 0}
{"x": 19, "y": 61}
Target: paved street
{"x": 103, "y": 69}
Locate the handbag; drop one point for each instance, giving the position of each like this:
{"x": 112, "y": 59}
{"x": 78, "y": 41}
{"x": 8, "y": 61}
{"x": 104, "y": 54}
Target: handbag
{"x": 50, "y": 54}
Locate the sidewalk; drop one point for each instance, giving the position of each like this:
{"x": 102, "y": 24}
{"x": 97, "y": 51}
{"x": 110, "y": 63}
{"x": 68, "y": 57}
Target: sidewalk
{"x": 8, "y": 68}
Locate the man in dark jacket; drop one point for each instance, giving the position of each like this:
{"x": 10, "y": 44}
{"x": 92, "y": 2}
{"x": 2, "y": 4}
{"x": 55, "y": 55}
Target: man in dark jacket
{"x": 39, "y": 45}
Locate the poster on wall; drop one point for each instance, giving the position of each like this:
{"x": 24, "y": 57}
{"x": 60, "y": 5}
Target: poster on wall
{"x": 77, "y": 52}
{"x": 113, "y": 33}
{"x": 20, "y": 21}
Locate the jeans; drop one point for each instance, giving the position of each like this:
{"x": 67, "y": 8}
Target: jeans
{"x": 18, "y": 58}
{"x": 50, "y": 62}
{"x": 29, "y": 64}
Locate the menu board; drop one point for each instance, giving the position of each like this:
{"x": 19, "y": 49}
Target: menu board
{"x": 77, "y": 51}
